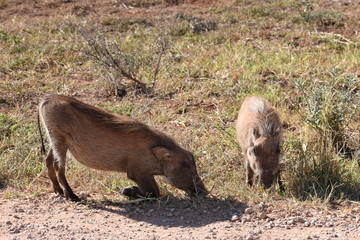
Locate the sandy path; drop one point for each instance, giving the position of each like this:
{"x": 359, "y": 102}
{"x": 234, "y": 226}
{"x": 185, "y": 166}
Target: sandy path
{"x": 55, "y": 218}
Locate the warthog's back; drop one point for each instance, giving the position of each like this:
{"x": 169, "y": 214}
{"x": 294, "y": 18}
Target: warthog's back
{"x": 96, "y": 138}
{"x": 255, "y": 113}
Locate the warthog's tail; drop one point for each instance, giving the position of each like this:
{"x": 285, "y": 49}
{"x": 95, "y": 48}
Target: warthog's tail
{"x": 41, "y": 137}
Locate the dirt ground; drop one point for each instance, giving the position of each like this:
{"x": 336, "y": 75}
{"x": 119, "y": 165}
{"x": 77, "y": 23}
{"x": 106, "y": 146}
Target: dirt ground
{"x": 52, "y": 217}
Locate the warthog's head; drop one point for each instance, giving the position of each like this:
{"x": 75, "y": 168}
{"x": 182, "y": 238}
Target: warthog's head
{"x": 264, "y": 158}
{"x": 180, "y": 170}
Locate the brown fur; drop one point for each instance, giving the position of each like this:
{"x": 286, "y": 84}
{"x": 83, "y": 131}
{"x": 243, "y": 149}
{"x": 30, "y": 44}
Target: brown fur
{"x": 258, "y": 130}
{"x": 101, "y": 140}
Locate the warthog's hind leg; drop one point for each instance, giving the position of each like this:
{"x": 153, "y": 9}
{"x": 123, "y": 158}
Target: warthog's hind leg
{"x": 50, "y": 164}
{"x": 60, "y": 154}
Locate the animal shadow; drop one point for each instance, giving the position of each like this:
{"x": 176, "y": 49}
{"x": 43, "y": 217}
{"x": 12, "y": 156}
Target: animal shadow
{"x": 173, "y": 212}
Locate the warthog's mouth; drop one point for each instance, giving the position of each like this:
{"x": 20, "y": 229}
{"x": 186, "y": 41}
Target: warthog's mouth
{"x": 197, "y": 189}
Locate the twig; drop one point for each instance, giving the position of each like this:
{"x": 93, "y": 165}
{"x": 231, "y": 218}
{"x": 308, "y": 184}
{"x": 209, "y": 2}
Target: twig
{"x": 138, "y": 200}
{"x": 163, "y": 44}
{"x": 36, "y": 178}
{"x": 106, "y": 187}
{"x": 222, "y": 129}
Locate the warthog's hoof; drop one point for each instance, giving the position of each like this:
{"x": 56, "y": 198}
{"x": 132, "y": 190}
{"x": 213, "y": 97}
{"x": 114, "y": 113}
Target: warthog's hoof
{"x": 72, "y": 197}
{"x": 133, "y": 192}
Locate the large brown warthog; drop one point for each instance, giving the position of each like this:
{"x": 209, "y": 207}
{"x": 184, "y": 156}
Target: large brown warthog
{"x": 101, "y": 140}
{"x": 258, "y": 130}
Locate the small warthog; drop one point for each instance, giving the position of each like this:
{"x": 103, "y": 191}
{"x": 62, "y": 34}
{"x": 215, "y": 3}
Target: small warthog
{"x": 258, "y": 130}
{"x": 101, "y": 140}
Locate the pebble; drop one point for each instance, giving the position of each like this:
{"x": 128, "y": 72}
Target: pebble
{"x": 299, "y": 219}
{"x": 245, "y": 219}
{"x": 19, "y": 210}
{"x": 249, "y": 237}
{"x": 291, "y": 222}
{"x": 262, "y": 215}
{"x": 248, "y": 211}
{"x": 329, "y": 224}
{"x": 234, "y": 218}
{"x": 270, "y": 225}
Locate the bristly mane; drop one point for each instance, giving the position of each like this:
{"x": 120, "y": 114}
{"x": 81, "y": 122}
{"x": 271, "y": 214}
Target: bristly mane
{"x": 115, "y": 123}
{"x": 265, "y": 119}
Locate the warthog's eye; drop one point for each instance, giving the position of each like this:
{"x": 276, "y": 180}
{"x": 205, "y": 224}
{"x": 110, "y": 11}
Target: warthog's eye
{"x": 255, "y": 151}
{"x": 185, "y": 164}
{"x": 278, "y": 150}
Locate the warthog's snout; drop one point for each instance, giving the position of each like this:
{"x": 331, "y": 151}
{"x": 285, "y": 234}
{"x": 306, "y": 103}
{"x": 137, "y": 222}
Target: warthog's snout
{"x": 198, "y": 189}
{"x": 266, "y": 178}
{"x": 195, "y": 188}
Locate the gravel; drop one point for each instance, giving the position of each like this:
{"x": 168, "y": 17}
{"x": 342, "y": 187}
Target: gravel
{"x": 56, "y": 218}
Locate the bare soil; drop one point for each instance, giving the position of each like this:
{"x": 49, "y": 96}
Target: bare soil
{"x": 49, "y": 216}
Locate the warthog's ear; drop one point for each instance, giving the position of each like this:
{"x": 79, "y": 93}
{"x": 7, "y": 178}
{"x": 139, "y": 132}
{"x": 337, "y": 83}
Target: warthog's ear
{"x": 254, "y": 133}
{"x": 162, "y": 153}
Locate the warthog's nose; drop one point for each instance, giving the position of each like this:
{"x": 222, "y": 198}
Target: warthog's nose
{"x": 198, "y": 189}
{"x": 267, "y": 179}
{"x": 267, "y": 185}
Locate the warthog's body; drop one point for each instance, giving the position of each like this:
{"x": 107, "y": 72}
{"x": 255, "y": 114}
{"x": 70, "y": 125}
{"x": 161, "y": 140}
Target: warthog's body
{"x": 258, "y": 130}
{"x": 101, "y": 140}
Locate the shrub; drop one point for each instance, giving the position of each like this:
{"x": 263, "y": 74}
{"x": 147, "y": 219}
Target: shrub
{"x": 317, "y": 161}
{"x": 119, "y": 61}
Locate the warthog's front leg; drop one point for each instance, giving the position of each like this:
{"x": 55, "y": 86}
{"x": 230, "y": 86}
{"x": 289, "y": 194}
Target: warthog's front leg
{"x": 281, "y": 186}
{"x": 147, "y": 186}
{"x": 249, "y": 173}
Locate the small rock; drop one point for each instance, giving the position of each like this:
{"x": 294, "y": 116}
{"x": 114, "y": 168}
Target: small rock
{"x": 249, "y": 237}
{"x": 270, "y": 225}
{"x": 234, "y": 218}
{"x": 306, "y": 224}
{"x": 84, "y": 195}
{"x": 290, "y": 222}
{"x": 245, "y": 219}
{"x": 16, "y": 230}
{"x": 248, "y": 211}
{"x": 329, "y": 224}
{"x": 299, "y": 219}
{"x": 308, "y": 214}
{"x": 262, "y": 215}
{"x": 319, "y": 224}
{"x": 19, "y": 210}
